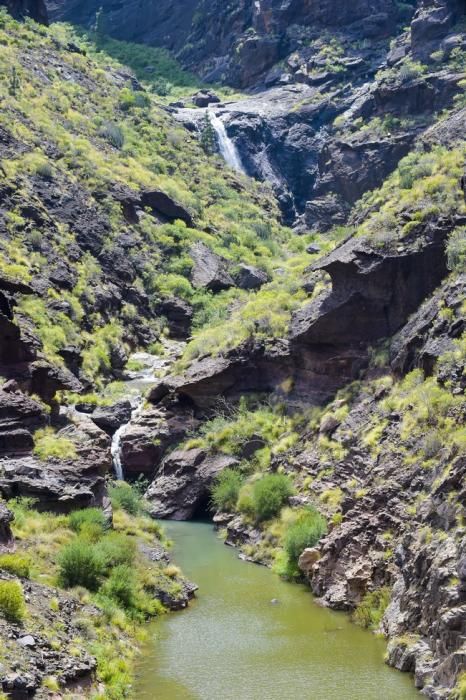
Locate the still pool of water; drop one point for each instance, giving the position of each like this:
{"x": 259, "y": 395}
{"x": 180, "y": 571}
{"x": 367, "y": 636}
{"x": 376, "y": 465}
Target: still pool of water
{"x": 233, "y": 644}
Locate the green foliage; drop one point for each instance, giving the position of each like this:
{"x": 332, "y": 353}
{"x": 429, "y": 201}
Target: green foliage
{"x": 268, "y": 426}
{"x": 88, "y": 521}
{"x": 126, "y": 496}
{"x": 14, "y": 84}
{"x": 115, "y": 549}
{"x": 267, "y": 497}
{"x": 305, "y": 530}
{"x": 456, "y": 250}
{"x": 371, "y": 609}
{"x": 208, "y": 138}
{"x": 80, "y": 564}
{"x": 113, "y": 133}
{"x": 459, "y": 692}
{"x": 154, "y": 65}
{"x": 12, "y": 604}
{"x": 17, "y": 564}
{"x": 226, "y": 488}
{"x": 121, "y": 586}
{"x": 49, "y": 445}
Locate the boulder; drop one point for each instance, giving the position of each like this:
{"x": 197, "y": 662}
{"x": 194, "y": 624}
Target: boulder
{"x": 149, "y": 435}
{"x": 179, "y": 315}
{"x": 6, "y": 518}
{"x": 204, "y": 98}
{"x": 110, "y": 418}
{"x": 166, "y": 206}
{"x": 250, "y": 277}
{"x": 309, "y": 557}
{"x": 61, "y": 485}
{"x": 181, "y": 487}
{"x": 209, "y": 271}
{"x": 20, "y": 416}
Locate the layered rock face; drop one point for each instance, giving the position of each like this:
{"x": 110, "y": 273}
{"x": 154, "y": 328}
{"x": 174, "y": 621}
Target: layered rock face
{"x": 240, "y": 41}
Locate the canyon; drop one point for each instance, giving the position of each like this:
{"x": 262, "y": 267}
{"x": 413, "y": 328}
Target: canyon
{"x": 244, "y": 255}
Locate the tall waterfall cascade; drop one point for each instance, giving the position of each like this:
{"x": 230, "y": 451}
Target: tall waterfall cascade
{"x": 227, "y": 148}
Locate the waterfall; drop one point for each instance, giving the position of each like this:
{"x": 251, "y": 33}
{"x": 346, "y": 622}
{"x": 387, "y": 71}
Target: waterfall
{"x": 137, "y": 405}
{"x": 225, "y": 144}
{"x": 139, "y": 381}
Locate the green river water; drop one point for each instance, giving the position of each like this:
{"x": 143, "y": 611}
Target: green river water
{"x": 233, "y": 644}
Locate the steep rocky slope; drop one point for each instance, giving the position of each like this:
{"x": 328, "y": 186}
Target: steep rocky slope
{"x": 338, "y": 93}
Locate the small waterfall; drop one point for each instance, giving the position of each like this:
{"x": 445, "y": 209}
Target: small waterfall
{"x": 225, "y": 144}
{"x": 138, "y": 405}
{"x": 137, "y": 384}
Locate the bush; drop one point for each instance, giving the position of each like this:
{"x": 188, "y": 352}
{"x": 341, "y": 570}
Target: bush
{"x": 114, "y": 550}
{"x": 269, "y": 495}
{"x": 16, "y": 564}
{"x": 113, "y": 134}
{"x": 371, "y": 609}
{"x": 225, "y": 490}
{"x": 121, "y": 586}
{"x": 125, "y": 497}
{"x": 87, "y": 519}
{"x": 456, "y": 250}
{"x": 80, "y": 564}
{"x": 49, "y": 445}
{"x": 12, "y": 605}
{"x": 305, "y": 531}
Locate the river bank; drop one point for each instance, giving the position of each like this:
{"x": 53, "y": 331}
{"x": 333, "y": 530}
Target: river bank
{"x": 234, "y": 642}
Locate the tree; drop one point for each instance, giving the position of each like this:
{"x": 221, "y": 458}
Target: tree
{"x": 208, "y": 137}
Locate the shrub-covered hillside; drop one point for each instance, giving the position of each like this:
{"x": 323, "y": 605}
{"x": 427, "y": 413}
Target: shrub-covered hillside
{"x": 85, "y": 150}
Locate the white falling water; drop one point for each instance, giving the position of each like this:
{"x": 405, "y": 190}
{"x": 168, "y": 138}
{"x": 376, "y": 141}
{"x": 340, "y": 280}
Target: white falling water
{"x": 225, "y": 144}
{"x": 138, "y": 405}
{"x": 139, "y": 381}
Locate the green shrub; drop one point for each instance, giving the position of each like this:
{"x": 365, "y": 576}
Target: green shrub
{"x": 80, "y": 564}
{"x": 81, "y": 521}
{"x": 456, "y": 250}
{"x": 114, "y": 550}
{"x": 371, "y": 609}
{"x": 16, "y": 564}
{"x": 12, "y": 605}
{"x": 121, "y": 586}
{"x": 226, "y": 488}
{"x": 269, "y": 495}
{"x": 126, "y": 497}
{"x": 305, "y": 531}
{"x": 113, "y": 134}
{"x": 49, "y": 445}
{"x": 460, "y": 690}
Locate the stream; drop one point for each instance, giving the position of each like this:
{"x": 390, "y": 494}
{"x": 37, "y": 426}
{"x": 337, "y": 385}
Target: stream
{"x": 233, "y": 643}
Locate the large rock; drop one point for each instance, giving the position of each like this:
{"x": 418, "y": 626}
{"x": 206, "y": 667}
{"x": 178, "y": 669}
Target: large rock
{"x": 179, "y": 315}
{"x": 181, "y": 488}
{"x": 62, "y": 485}
{"x": 209, "y": 271}
{"x": 20, "y": 416}
{"x": 163, "y": 204}
{"x": 6, "y": 518}
{"x": 204, "y": 98}
{"x": 149, "y": 435}
{"x": 110, "y": 418}
{"x": 250, "y": 277}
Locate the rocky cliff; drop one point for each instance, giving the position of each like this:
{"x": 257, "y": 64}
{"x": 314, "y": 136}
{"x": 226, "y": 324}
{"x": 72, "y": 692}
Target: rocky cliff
{"x": 22, "y": 9}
